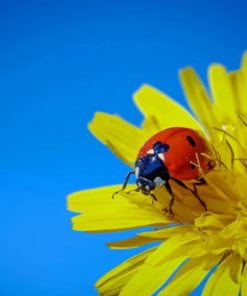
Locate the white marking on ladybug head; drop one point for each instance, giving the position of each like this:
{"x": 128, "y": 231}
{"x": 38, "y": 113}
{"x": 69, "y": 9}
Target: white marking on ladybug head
{"x": 151, "y": 151}
{"x": 161, "y": 156}
{"x": 137, "y": 171}
{"x": 159, "y": 182}
{"x": 147, "y": 187}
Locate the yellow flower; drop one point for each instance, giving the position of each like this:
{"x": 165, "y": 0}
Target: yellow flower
{"x": 193, "y": 244}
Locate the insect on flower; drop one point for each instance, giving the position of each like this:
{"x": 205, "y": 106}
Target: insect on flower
{"x": 171, "y": 154}
{"x": 209, "y": 247}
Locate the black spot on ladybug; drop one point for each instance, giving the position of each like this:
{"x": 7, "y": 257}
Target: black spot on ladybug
{"x": 191, "y": 141}
{"x": 211, "y": 164}
{"x": 192, "y": 166}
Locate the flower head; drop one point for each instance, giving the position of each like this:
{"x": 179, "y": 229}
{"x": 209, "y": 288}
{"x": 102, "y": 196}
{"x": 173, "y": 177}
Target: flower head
{"x": 193, "y": 243}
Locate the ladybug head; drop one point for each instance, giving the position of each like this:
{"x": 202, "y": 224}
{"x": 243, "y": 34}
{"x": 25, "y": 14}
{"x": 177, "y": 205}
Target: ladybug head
{"x": 150, "y": 172}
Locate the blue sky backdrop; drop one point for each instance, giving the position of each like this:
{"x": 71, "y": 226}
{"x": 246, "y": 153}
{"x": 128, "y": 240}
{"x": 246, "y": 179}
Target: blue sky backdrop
{"x": 60, "y": 61}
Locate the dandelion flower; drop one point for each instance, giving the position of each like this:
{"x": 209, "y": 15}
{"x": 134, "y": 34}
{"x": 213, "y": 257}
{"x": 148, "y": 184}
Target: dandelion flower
{"x": 194, "y": 244}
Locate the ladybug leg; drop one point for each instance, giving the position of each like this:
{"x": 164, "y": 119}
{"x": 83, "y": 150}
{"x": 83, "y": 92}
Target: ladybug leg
{"x": 133, "y": 190}
{"x": 126, "y": 180}
{"x": 153, "y": 197}
{"x": 194, "y": 191}
{"x": 200, "y": 181}
{"x": 171, "y": 202}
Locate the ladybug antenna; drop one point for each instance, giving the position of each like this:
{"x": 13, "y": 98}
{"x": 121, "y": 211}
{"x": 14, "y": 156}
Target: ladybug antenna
{"x": 126, "y": 180}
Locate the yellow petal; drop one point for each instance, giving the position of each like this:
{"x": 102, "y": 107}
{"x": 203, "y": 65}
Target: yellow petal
{"x": 216, "y": 245}
{"x": 222, "y": 92}
{"x": 102, "y": 213}
{"x": 168, "y": 232}
{"x": 225, "y": 280}
{"x": 189, "y": 276}
{"x": 239, "y": 246}
{"x": 212, "y": 220}
{"x": 237, "y": 82}
{"x": 86, "y": 200}
{"x": 149, "y": 278}
{"x": 160, "y": 265}
{"x": 244, "y": 282}
{"x": 113, "y": 281}
{"x": 230, "y": 230}
{"x": 244, "y": 84}
{"x": 151, "y": 125}
{"x": 173, "y": 247}
{"x": 133, "y": 242}
{"x": 198, "y": 98}
{"x": 152, "y": 102}
{"x": 123, "y": 138}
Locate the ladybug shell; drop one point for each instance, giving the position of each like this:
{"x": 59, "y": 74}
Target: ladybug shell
{"x": 184, "y": 144}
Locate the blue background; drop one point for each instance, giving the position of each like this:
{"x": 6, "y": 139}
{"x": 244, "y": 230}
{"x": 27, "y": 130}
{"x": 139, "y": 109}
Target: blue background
{"x": 60, "y": 61}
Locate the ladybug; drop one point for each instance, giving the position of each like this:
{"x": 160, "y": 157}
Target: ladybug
{"x": 171, "y": 154}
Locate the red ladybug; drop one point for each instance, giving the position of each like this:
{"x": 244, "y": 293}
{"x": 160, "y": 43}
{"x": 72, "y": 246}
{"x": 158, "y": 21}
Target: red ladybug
{"x": 169, "y": 155}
